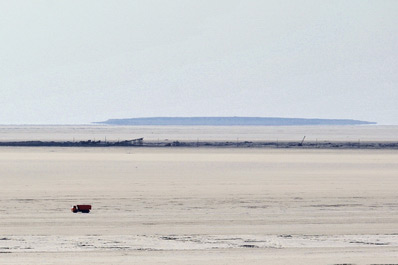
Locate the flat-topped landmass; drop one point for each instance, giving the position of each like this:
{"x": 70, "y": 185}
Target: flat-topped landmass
{"x": 232, "y": 121}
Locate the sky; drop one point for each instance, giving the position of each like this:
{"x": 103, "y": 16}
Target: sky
{"x": 77, "y": 62}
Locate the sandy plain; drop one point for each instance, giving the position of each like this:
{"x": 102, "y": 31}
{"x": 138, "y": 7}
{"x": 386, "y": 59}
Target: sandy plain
{"x": 198, "y": 206}
{"x": 201, "y": 133}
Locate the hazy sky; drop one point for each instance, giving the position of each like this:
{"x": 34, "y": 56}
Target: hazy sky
{"x": 69, "y": 62}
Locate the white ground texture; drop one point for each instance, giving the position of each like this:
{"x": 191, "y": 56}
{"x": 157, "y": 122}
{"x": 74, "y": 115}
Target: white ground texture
{"x": 198, "y": 206}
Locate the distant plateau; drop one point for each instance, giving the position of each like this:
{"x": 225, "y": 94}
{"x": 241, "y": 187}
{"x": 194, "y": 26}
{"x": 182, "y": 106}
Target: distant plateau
{"x": 231, "y": 121}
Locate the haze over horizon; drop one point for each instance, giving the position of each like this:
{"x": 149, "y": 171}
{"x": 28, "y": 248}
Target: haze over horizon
{"x": 77, "y": 62}
{"x": 230, "y": 121}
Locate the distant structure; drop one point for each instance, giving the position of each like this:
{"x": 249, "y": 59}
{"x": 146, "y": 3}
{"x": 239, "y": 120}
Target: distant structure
{"x": 138, "y": 141}
{"x": 232, "y": 121}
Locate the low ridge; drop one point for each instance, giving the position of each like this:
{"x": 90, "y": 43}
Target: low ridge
{"x": 231, "y": 121}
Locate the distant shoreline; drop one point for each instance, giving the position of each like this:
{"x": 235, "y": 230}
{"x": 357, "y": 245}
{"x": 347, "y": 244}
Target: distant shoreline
{"x": 210, "y": 144}
{"x": 231, "y": 121}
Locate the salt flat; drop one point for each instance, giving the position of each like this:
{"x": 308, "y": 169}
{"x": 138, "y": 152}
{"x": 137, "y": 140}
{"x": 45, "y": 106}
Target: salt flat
{"x": 200, "y": 133}
{"x": 198, "y": 206}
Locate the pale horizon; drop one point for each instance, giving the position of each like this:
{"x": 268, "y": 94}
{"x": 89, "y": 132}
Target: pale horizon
{"x": 74, "y": 62}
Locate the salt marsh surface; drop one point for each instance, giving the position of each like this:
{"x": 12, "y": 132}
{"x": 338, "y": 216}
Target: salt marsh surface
{"x": 198, "y": 206}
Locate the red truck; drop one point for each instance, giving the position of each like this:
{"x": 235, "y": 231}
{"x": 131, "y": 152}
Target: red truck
{"x": 82, "y": 208}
